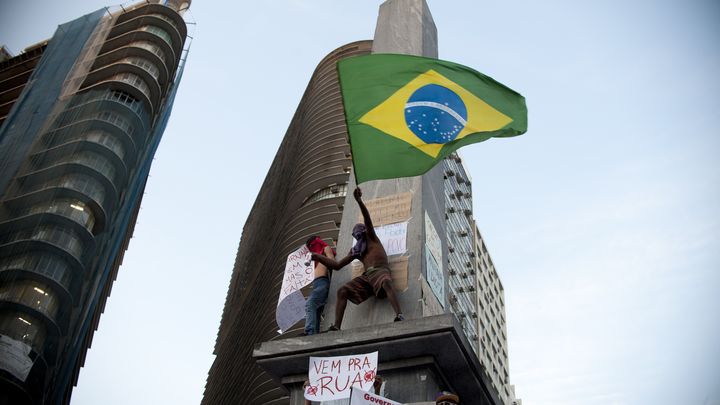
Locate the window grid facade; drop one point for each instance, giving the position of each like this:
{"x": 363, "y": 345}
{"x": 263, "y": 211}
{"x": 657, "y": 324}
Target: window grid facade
{"x": 476, "y": 293}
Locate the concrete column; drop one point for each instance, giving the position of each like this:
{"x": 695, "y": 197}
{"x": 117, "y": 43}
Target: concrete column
{"x": 404, "y": 27}
{"x": 428, "y": 352}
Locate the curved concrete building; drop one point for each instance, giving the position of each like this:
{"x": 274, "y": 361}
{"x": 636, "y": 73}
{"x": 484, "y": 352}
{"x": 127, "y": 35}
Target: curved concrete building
{"x": 76, "y": 147}
{"x": 303, "y": 194}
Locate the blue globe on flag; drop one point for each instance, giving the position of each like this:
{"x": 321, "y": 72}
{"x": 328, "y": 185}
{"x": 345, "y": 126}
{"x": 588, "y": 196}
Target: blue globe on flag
{"x": 435, "y": 114}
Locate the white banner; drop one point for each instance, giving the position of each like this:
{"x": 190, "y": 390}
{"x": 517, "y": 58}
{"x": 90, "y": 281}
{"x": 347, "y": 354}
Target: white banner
{"x": 393, "y": 238}
{"x": 359, "y": 397}
{"x": 332, "y": 377}
{"x": 433, "y": 260}
{"x": 298, "y": 274}
{"x": 16, "y": 359}
{"x": 432, "y": 239}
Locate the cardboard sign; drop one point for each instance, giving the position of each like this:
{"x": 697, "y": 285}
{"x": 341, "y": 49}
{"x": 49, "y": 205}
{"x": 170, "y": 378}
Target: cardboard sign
{"x": 389, "y": 209}
{"x": 298, "y": 274}
{"x": 332, "y": 377}
{"x": 360, "y": 397}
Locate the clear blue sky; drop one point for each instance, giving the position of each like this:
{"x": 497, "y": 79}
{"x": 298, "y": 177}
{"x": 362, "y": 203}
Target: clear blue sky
{"x": 603, "y": 220}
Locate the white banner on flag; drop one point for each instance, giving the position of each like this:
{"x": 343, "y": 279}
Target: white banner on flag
{"x": 360, "y": 397}
{"x": 332, "y": 377}
{"x": 298, "y": 274}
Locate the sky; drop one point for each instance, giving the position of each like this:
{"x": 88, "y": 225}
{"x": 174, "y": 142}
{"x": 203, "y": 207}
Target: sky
{"x": 603, "y": 220}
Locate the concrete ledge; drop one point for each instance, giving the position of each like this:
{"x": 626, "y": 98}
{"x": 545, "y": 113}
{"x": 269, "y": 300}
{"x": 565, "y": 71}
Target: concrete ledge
{"x": 433, "y": 343}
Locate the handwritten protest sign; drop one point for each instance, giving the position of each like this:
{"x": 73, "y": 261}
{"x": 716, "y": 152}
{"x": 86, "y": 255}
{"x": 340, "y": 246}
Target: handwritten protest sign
{"x": 291, "y": 303}
{"x": 360, "y": 397}
{"x": 389, "y": 209}
{"x": 433, "y": 256}
{"x": 333, "y": 377}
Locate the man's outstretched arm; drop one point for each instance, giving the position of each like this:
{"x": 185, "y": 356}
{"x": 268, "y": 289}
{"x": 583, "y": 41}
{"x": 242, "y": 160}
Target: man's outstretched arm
{"x": 332, "y": 264}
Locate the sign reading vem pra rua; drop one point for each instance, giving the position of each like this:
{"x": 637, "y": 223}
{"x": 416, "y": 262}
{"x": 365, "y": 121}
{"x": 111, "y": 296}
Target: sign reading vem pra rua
{"x": 332, "y": 377}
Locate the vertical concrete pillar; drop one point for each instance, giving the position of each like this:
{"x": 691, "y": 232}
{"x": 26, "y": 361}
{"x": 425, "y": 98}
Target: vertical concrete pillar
{"x": 428, "y": 352}
{"x": 404, "y": 27}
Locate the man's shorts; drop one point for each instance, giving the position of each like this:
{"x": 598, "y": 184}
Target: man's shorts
{"x": 369, "y": 284}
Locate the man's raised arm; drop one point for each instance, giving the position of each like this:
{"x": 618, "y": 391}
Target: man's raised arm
{"x": 365, "y": 213}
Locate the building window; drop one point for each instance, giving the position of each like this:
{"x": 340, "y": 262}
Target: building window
{"x": 135, "y": 81}
{"x": 143, "y": 64}
{"x": 167, "y": 20}
{"x": 46, "y": 264}
{"x": 69, "y": 208}
{"x": 32, "y": 294}
{"x": 107, "y": 140}
{"x": 158, "y": 32}
{"x": 339, "y": 190}
{"x": 149, "y": 46}
{"x": 23, "y": 327}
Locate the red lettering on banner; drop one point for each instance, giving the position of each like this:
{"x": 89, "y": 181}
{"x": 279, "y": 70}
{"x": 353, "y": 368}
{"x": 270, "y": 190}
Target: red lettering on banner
{"x": 354, "y": 362}
{"x": 318, "y": 367}
{"x": 324, "y": 382}
{"x": 366, "y": 363}
{"x": 358, "y": 379}
{"x": 336, "y": 365}
{"x": 347, "y": 382}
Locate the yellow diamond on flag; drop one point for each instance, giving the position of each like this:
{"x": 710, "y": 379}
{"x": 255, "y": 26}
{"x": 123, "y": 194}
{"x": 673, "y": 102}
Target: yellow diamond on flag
{"x": 390, "y": 115}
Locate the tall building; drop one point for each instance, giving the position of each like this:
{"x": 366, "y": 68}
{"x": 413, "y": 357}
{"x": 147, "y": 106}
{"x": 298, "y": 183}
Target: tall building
{"x": 303, "y": 194}
{"x": 476, "y": 294}
{"x": 81, "y": 116}
{"x": 439, "y": 345}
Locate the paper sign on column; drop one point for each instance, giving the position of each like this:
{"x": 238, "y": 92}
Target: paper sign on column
{"x": 332, "y": 377}
{"x": 298, "y": 274}
{"x": 360, "y": 397}
{"x": 390, "y": 209}
{"x": 433, "y": 257}
{"x": 16, "y": 357}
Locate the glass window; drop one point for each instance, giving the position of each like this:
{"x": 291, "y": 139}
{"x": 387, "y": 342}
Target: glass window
{"x": 149, "y": 46}
{"x": 33, "y": 294}
{"x": 116, "y": 120}
{"x": 95, "y": 161}
{"x": 159, "y": 32}
{"x": 23, "y": 327}
{"x": 41, "y": 263}
{"x": 339, "y": 190}
{"x": 69, "y": 208}
{"x": 133, "y": 80}
{"x": 168, "y": 20}
{"x": 84, "y": 184}
{"x": 107, "y": 140}
{"x": 61, "y": 237}
{"x": 144, "y": 64}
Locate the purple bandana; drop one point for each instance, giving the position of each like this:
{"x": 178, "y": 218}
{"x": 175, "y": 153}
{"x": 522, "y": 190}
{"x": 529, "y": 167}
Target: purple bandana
{"x": 360, "y": 247}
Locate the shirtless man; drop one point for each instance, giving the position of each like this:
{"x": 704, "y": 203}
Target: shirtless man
{"x": 320, "y": 286}
{"x": 376, "y": 279}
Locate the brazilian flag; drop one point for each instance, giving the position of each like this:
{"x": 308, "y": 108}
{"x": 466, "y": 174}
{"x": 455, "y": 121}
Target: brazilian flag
{"x": 405, "y": 113}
